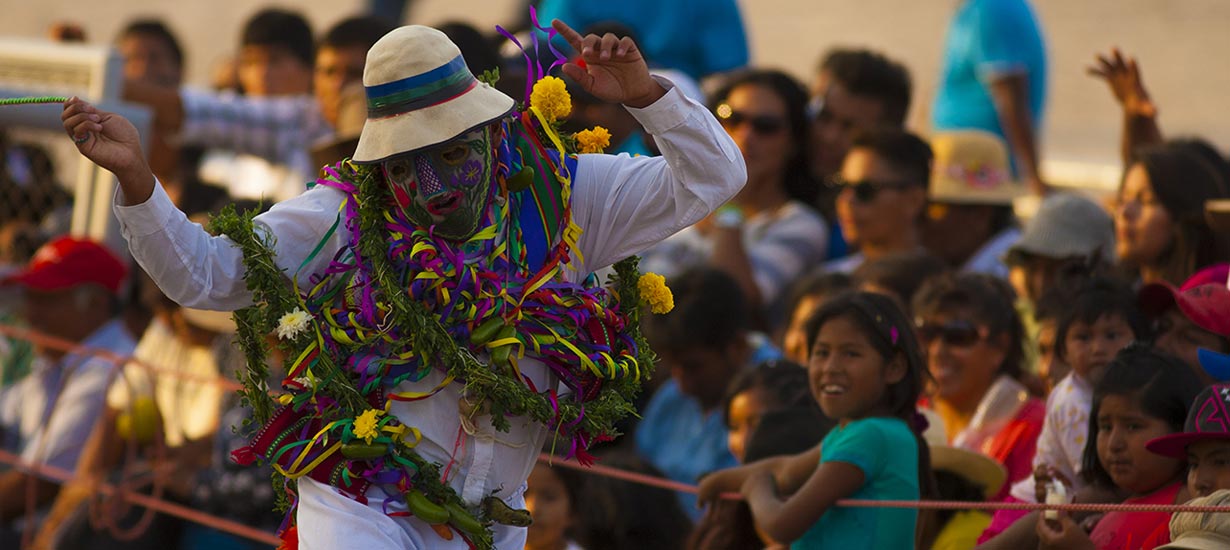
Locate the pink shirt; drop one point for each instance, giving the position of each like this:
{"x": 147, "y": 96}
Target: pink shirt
{"x": 1137, "y": 530}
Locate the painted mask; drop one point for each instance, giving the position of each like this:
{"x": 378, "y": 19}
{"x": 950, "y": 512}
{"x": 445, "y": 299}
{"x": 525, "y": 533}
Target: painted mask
{"x": 447, "y": 186}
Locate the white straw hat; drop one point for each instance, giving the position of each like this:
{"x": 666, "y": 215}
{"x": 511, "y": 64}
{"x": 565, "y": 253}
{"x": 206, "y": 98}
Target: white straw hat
{"x": 420, "y": 93}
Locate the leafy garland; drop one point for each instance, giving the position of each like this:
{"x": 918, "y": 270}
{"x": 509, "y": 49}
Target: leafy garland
{"x": 273, "y": 296}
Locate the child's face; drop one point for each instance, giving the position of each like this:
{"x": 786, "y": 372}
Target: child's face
{"x": 1208, "y": 464}
{"x": 848, "y": 376}
{"x": 1090, "y": 347}
{"x": 745, "y": 410}
{"x": 794, "y": 342}
{"x": 1051, "y": 368}
{"x": 547, "y": 500}
{"x": 1123, "y": 430}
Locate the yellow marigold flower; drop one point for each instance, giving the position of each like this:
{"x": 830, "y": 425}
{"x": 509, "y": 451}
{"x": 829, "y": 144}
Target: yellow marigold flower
{"x": 550, "y": 97}
{"x": 366, "y": 425}
{"x": 593, "y": 141}
{"x": 655, "y": 292}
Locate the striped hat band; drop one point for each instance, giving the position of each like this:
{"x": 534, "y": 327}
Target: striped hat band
{"x": 420, "y": 91}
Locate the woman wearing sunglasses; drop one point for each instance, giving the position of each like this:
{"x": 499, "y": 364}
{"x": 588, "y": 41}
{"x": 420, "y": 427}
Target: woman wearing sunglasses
{"x": 973, "y": 340}
{"x": 763, "y": 238}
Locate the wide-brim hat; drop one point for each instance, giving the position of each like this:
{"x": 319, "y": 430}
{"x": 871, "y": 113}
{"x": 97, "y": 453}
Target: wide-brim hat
{"x": 1201, "y": 530}
{"x": 975, "y": 467}
{"x": 421, "y": 93}
{"x": 1207, "y": 419}
{"x": 971, "y": 167}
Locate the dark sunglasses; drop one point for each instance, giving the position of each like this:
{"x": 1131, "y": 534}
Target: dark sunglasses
{"x": 865, "y": 190}
{"x": 954, "y": 333}
{"x": 765, "y": 125}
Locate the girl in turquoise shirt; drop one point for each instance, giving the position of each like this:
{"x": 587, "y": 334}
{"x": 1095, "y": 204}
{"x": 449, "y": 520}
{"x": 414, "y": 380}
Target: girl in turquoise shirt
{"x": 865, "y": 369}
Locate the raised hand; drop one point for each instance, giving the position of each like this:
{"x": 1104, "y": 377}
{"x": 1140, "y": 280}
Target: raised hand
{"x": 1122, "y": 74}
{"x": 614, "y": 68}
{"x": 112, "y": 142}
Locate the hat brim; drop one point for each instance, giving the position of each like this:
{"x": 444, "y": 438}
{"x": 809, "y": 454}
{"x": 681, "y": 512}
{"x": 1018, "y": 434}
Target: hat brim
{"x": 387, "y": 137}
{"x": 980, "y": 469}
{"x": 40, "y": 280}
{"x": 1217, "y": 365}
{"x": 1175, "y": 445}
{"x": 943, "y": 190}
{"x": 1197, "y": 540}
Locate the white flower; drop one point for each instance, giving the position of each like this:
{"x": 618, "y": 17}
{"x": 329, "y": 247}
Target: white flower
{"x": 291, "y": 325}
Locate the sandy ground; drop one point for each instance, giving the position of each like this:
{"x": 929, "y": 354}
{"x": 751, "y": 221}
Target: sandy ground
{"x": 1181, "y": 45}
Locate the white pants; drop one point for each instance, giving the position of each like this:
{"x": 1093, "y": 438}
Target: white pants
{"x": 329, "y": 520}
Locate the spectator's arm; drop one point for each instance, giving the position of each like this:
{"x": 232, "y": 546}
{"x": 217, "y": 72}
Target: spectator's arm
{"x": 1122, "y": 75}
{"x": 1010, "y": 93}
{"x": 730, "y": 257}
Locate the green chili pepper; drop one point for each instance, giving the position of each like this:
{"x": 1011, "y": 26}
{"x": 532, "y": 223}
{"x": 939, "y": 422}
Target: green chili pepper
{"x": 425, "y": 509}
{"x": 500, "y": 512}
{"x": 363, "y": 451}
{"x": 521, "y": 180}
{"x": 462, "y": 519}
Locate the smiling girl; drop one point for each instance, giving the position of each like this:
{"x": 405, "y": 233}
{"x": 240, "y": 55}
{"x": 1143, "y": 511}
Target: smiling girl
{"x": 866, "y": 371}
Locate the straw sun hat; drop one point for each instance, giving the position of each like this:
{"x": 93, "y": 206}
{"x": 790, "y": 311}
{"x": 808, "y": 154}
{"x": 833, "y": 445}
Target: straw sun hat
{"x": 420, "y": 93}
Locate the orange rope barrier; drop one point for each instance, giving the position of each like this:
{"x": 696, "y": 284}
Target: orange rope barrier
{"x": 169, "y": 508}
{"x": 652, "y": 481}
{"x": 52, "y": 342}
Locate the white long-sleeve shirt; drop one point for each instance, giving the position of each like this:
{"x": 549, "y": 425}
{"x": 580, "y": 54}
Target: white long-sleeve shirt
{"x": 622, "y": 204}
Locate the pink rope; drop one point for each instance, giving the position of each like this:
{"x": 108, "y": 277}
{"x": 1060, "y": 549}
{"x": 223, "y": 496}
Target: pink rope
{"x": 607, "y": 471}
{"x": 64, "y": 476}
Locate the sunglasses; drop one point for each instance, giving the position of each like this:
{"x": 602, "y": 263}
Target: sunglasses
{"x": 954, "y": 333}
{"x": 765, "y": 125}
{"x": 865, "y": 190}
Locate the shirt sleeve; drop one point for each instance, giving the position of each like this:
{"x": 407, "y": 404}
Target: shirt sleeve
{"x": 785, "y": 250}
{"x": 278, "y": 129}
{"x": 198, "y": 270}
{"x": 862, "y": 444}
{"x": 625, "y": 204}
{"x": 1000, "y": 42}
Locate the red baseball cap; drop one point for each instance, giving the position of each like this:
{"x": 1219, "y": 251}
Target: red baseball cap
{"x": 1203, "y": 298}
{"x": 67, "y": 262}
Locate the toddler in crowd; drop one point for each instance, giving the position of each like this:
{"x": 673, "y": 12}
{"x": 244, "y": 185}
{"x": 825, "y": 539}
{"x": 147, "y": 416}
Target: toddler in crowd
{"x": 866, "y": 371}
{"x": 1099, "y": 319}
{"x": 1141, "y": 402}
{"x": 773, "y": 386}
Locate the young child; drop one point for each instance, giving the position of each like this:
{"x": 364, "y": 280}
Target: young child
{"x": 1101, "y": 319}
{"x": 1094, "y": 320}
{"x": 1201, "y": 530}
{"x": 866, "y": 371}
{"x": 771, "y": 386}
{"x": 1142, "y": 401}
{"x": 1205, "y": 442}
{"x": 550, "y": 496}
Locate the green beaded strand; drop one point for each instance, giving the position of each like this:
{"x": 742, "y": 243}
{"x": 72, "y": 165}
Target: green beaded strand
{"x": 32, "y": 100}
